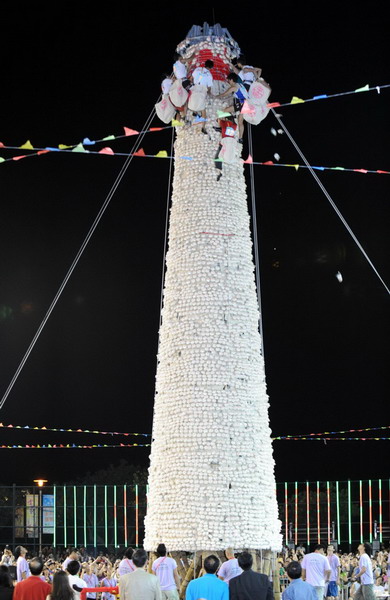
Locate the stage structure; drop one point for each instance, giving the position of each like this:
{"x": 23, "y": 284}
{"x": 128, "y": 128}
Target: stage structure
{"x": 211, "y": 475}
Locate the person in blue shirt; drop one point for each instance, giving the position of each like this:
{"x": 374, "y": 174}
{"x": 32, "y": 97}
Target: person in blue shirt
{"x": 298, "y": 589}
{"x": 208, "y": 586}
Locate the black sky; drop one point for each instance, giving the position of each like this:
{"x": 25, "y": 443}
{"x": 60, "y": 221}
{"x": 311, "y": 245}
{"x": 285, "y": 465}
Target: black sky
{"x": 88, "y": 73}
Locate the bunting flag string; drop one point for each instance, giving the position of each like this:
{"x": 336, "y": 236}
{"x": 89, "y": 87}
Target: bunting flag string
{"x": 52, "y": 446}
{"x": 84, "y": 446}
{"x": 164, "y": 154}
{"x": 330, "y": 439}
{"x": 43, "y": 428}
{"x": 80, "y": 146}
{"x": 296, "y": 100}
{"x": 307, "y": 435}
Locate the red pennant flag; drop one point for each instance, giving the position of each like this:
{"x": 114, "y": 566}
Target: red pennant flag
{"x": 156, "y": 128}
{"x": 384, "y": 172}
{"x": 106, "y": 150}
{"x": 19, "y": 157}
{"x": 249, "y": 160}
{"x": 129, "y": 131}
{"x": 273, "y": 104}
{"x": 1, "y": 145}
{"x": 139, "y": 153}
{"x": 360, "y": 171}
{"x": 269, "y": 162}
{"x": 43, "y": 151}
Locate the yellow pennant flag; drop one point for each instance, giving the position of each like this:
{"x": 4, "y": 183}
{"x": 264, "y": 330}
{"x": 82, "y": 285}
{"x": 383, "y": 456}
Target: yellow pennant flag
{"x": 176, "y": 123}
{"x": 64, "y": 146}
{"x": 27, "y": 146}
{"x": 295, "y": 100}
{"x": 162, "y": 154}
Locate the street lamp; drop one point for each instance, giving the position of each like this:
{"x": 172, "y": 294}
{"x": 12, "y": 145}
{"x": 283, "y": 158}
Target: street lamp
{"x": 40, "y": 483}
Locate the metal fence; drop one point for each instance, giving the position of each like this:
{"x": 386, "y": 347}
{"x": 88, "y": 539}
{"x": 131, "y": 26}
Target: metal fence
{"x": 112, "y": 516}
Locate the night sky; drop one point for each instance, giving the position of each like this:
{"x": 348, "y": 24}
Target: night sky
{"x": 76, "y": 73}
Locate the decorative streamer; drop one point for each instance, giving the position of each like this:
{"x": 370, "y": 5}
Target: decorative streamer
{"x": 337, "y": 439}
{"x": 131, "y": 132}
{"x": 296, "y": 100}
{"x": 56, "y": 446}
{"x": 43, "y": 428}
{"x": 318, "y": 514}
{"x": 164, "y": 154}
{"x": 307, "y": 435}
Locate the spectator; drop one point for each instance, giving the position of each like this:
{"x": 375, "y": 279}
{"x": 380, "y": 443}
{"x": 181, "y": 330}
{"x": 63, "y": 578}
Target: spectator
{"x": 73, "y": 555}
{"x": 61, "y": 588}
{"x": 139, "y": 584}
{"x": 298, "y": 589}
{"x": 6, "y": 584}
{"x": 22, "y": 569}
{"x": 208, "y": 586}
{"x": 316, "y": 570}
{"x": 165, "y": 568}
{"x": 366, "y": 589}
{"x": 75, "y": 582}
{"x": 230, "y": 568}
{"x": 126, "y": 565}
{"x": 33, "y": 588}
{"x": 249, "y": 585}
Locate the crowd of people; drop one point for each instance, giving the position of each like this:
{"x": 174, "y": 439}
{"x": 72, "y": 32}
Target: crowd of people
{"x": 323, "y": 573}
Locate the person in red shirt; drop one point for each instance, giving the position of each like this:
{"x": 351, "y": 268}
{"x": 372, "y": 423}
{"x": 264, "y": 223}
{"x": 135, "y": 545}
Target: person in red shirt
{"x": 33, "y": 588}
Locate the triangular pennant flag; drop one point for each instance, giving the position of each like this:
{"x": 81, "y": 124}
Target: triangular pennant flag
{"x": 360, "y": 171}
{"x": 249, "y": 160}
{"x": 50, "y": 149}
{"x": 109, "y": 137}
{"x": 156, "y": 128}
{"x": 296, "y": 100}
{"x": 88, "y": 142}
{"x": 1, "y": 145}
{"x": 2, "y": 159}
{"x": 129, "y": 131}
{"x": 296, "y": 167}
{"x": 383, "y": 172}
{"x": 273, "y": 104}
{"x": 63, "y": 147}
{"x": 161, "y": 154}
{"x": 222, "y": 114}
{"x": 43, "y": 152}
{"x": 363, "y": 89}
{"x": 337, "y": 168}
{"x": 139, "y": 153}
{"x": 176, "y": 123}
{"x": 27, "y": 146}
{"x": 268, "y": 162}
{"x": 79, "y": 148}
{"x": 19, "y": 157}
{"x": 106, "y": 150}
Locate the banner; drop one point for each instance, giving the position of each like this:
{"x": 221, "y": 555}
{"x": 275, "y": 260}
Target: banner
{"x": 32, "y": 501}
{"x": 48, "y": 513}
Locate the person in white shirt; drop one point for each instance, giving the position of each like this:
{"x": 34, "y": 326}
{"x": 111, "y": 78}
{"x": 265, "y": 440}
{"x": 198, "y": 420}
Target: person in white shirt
{"x": 126, "y": 565}
{"x": 73, "y": 555}
{"x": 203, "y": 83}
{"x": 22, "y": 568}
{"x": 316, "y": 570}
{"x": 76, "y": 583}
{"x": 230, "y": 568}
{"x": 332, "y": 590}
{"x": 165, "y": 568}
{"x": 366, "y": 589}
{"x": 247, "y": 73}
{"x": 180, "y": 69}
{"x": 166, "y": 84}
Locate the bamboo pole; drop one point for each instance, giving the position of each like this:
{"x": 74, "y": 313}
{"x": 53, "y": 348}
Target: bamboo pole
{"x": 180, "y": 567}
{"x": 189, "y": 576}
